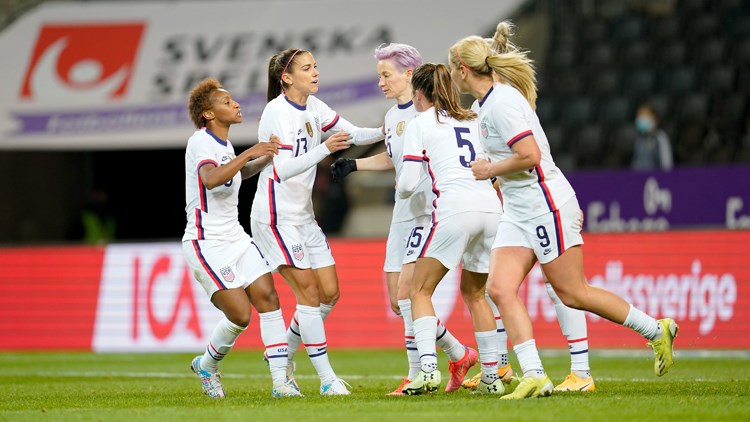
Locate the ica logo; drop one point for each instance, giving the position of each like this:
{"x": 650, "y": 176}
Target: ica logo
{"x": 82, "y": 62}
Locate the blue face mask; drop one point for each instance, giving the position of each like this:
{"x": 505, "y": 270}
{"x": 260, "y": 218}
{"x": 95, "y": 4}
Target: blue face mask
{"x": 644, "y": 124}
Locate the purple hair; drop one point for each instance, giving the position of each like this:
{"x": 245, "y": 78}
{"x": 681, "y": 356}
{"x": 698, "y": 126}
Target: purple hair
{"x": 403, "y": 56}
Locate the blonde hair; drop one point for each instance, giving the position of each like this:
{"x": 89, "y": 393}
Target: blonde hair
{"x": 434, "y": 80}
{"x": 200, "y": 100}
{"x": 483, "y": 56}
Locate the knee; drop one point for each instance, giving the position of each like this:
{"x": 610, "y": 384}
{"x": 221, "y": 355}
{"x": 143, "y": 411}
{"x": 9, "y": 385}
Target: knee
{"x": 239, "y": 317}
{"x": 570, "y": 298}
{"x": 330, "y": 298}
{"x": 497, "y": 294}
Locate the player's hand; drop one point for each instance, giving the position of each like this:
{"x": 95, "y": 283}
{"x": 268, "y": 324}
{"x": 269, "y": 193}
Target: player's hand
{"x": 481, "y": 169}
{"x": 341, "y": 168}
{"x": 338, "y": 141}
{"x": 269, "y": 149}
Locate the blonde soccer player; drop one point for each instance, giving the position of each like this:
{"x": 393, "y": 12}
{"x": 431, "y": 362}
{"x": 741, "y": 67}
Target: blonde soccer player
{"x": 282, "y": 217}
{"x": 542, "y": 220}
{"x": 411, "y": 216}
{"x": 442, "y": 141}
{"x": 572, "y": 321}
{"x": 224, "y": 259}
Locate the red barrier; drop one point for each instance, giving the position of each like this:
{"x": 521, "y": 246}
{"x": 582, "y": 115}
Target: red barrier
{"x": 141, "y": 297}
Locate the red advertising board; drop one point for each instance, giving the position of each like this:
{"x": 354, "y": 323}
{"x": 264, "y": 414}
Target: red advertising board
{"x": 141, "y": 297}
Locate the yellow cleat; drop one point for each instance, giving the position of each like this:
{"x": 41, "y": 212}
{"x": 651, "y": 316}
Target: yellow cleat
{"x": 575, "y": 383}
{"x": 424, "y": 382}
{"x": 497, "y": 387}
{"x": 504, "y": 373}
{"x": 530, "y": 387}
{"x": 663, "y": 346}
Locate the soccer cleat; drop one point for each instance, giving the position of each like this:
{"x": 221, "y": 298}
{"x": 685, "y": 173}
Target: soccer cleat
{"x": 504, "y": 373}
{"x": 399, "y": 390}
{"x": 336, "y": 388}
{"x": 663, "y": 346}
{"x": 424, "y": 382}
{"x": 530, "y": 387}
{"x": 290, "y": 368}
{"x": 497, "y": 387}
{"x": 211, "y": 382}
{"x": 575, "y": 383}
{"x": 459, "y": 369}
{"x": 286, "y": 390}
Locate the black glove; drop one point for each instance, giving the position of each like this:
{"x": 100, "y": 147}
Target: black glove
{"x": 341, "y": 167}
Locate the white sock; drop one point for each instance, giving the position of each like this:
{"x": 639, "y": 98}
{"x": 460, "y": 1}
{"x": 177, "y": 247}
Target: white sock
{"x": 325, "y": 309}
{"x": 222, "y": 339}
{"x": 502, "y": 336}
{"x": 274, "y": 339}
{"x": 643, "y": 324}
{"x": 450, "y": 345}
{"x": 293, "y": 337}
{"x": 573, "y": 326}
{"x": 487, "y": 345}
{"x": 424, "y": 335}
{"x": 528, "y": 358}
{"x": 314, "y": 338}
{"x": 412, "y": 354}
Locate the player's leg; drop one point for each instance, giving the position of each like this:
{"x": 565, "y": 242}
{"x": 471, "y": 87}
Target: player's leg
{"x": 565, "y": 273}
{"x": 504, "y": 370}
{"x": 566, "y": 276}
{"x": 427, "y": 274}
{"x": 262, "y": 294}
{"x": 509, "y": 266}
{"x": 573, "y": 326}
{"x": 473, "y": 292}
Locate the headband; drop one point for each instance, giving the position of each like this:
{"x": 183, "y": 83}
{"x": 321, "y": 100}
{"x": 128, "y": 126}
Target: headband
{"x": 458, "y": 56}
{"x": 290, "y": 61}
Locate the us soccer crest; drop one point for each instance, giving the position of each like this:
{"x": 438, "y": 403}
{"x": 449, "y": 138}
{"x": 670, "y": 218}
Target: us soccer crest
{"x": 400, "y": 127}
{"x": 484, "y": 130}
{"x": 227, "y": 273}
{"x": 308, "y": 126}
{"x": 298, "y": 252}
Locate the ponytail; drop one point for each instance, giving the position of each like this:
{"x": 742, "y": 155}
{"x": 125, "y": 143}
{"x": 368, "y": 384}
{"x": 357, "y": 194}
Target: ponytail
{"x": 434, "y": 80}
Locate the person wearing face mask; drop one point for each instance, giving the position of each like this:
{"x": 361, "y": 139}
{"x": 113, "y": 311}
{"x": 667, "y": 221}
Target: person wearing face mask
{"x": 652, "y": 150}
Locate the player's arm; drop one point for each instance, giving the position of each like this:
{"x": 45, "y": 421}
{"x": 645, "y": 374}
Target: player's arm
{"x": 213, "y": 175}
{"x": 358, "y": 135}
{"x": 254, "y": 166}
{"x": 412, "y": 167}
{"x": 526, "y": 153}
{"x": 343, "y": 166}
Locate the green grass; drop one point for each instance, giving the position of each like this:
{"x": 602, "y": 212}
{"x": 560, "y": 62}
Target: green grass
{"x": 133, "y": 387}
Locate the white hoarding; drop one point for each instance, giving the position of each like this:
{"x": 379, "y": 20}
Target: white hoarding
{"x": 116, "y": 74}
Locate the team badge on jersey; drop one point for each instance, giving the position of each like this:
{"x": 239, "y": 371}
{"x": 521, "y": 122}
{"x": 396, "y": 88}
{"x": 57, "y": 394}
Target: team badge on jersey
{"x": 227, "y": 273}
{"x": 298, "y": 252}
{"x": 308, "y": 126}
{"x": 484, "y": 130}
{"x": 400, "y": 127}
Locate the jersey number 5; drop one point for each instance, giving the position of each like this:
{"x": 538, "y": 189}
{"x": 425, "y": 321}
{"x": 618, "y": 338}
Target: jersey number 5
{"x": 463, "y": 143}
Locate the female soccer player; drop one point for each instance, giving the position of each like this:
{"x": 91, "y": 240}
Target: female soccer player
{"x": 465, "y": 214}
{"x": 223, "y": 258}
{"x": 542, "y": 220}
{"x": 572, "y": 321}
{"x": 282, "y": 217}
{"x": 396, "y": 65}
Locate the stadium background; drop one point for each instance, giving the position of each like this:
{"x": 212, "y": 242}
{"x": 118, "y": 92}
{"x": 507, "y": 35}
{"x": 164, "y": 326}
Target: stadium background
{"x": 675, "y": 243}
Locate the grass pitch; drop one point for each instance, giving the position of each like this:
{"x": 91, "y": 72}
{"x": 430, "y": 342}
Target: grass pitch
{"x": 135, "y": 387}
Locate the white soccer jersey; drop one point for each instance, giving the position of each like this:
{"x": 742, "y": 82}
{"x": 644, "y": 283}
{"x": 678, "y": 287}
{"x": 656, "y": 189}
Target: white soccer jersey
{"x": 418, "y": 204}
{"x": 505, "y": 117}
{"x": 299, "y": 127}
{"x": 446, "y": 147}
{"x": 211, "y": 214}
{"x": 284, "y": 194}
